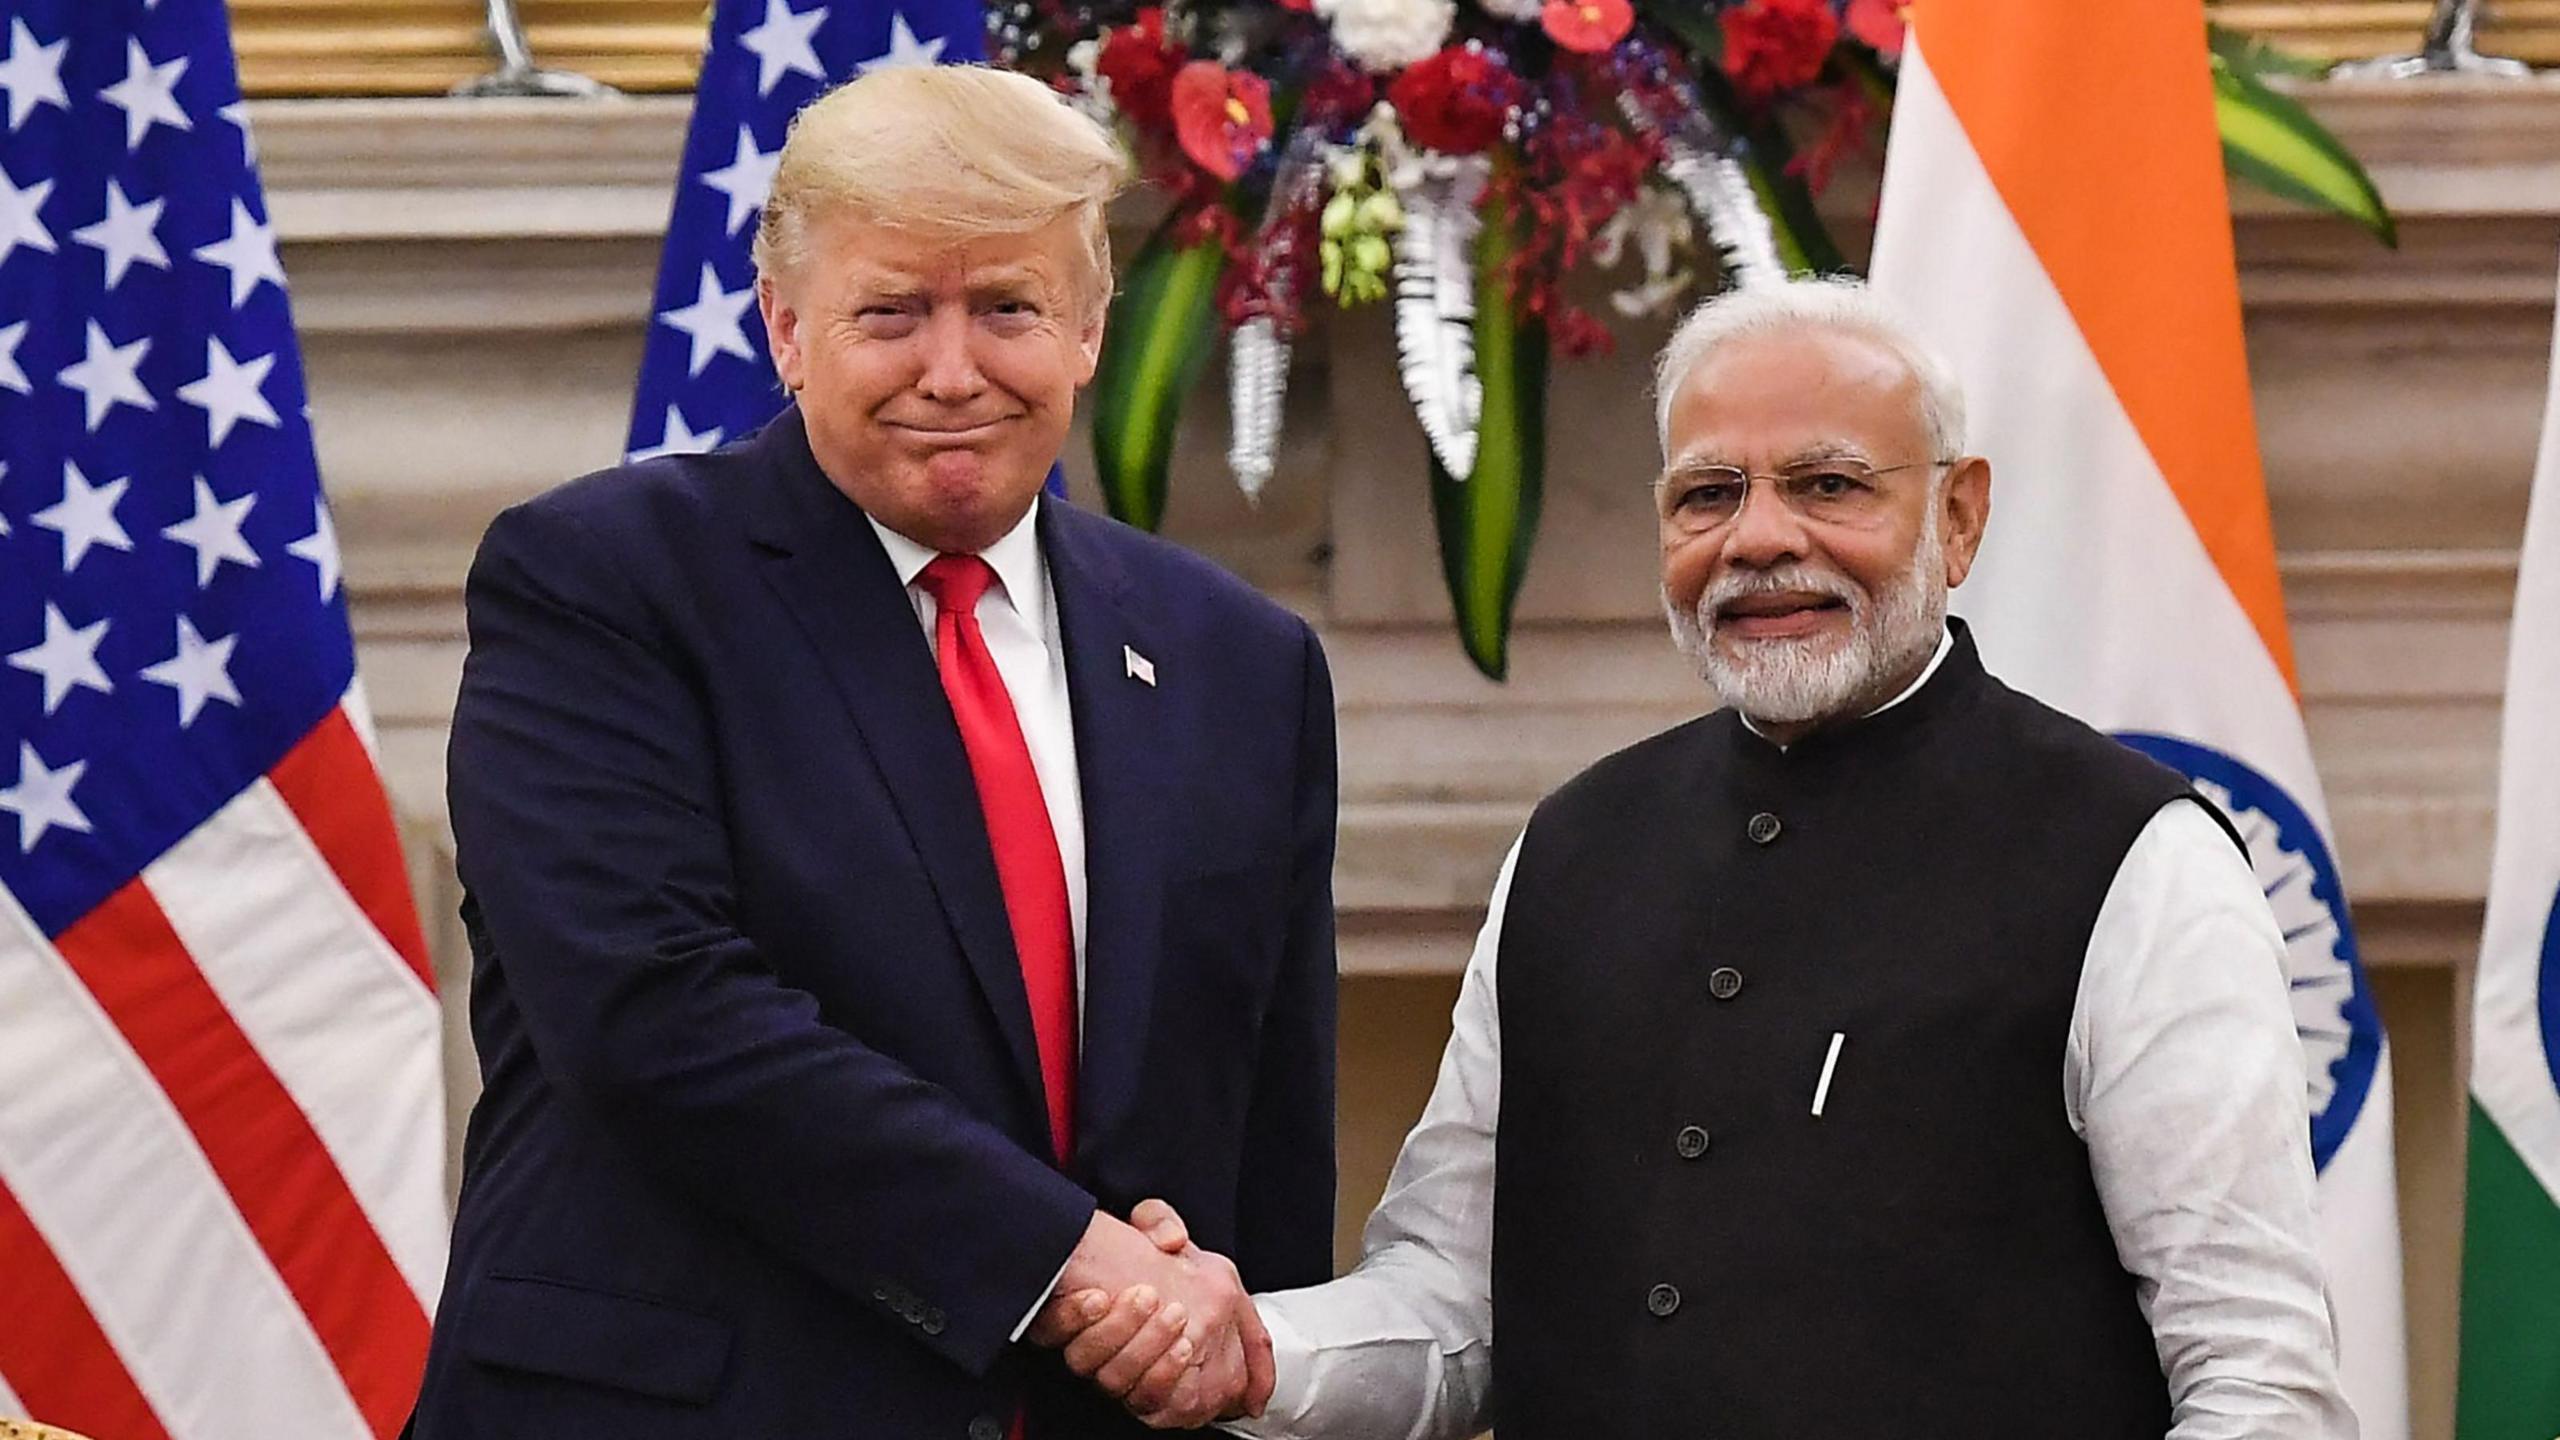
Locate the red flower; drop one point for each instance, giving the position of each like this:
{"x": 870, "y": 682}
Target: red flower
{"x": 1337, "y": 90}
{"x": 1303, "y": 7}
{"x": 1587, "y": 26}
{"x": 1879, "y": 24}
{"x": 1221, "y": 116}
{"x": 1140, "y": 64}
{"x": 1774, "y": 45}
{"x": 1454, "y": 102}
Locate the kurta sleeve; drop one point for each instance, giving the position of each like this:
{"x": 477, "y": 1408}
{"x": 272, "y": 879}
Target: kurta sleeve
{"x": 1403, "y": 1345}
{"x": 2184, "y": 1076}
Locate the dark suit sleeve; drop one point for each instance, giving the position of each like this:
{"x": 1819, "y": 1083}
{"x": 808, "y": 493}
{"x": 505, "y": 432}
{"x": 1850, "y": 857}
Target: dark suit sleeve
{"x": 587, "y": 805}
{"x": 1285, "y": 1211}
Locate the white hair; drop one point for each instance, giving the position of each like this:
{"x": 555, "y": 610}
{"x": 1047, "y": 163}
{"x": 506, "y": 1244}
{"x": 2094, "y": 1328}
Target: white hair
{"x": 1832, "y": 302}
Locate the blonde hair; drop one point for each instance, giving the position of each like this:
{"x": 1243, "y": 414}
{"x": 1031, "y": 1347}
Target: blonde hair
{"x": 948, "y": 150}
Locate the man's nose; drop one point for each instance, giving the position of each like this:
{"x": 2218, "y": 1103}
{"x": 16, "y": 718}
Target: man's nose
{"x": 1767, "y": 532}
{"x": 950, "y": 363}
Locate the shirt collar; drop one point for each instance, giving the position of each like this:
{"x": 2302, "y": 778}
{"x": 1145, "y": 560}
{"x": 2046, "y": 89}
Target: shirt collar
{"x": 1946, "y": 642}
{"x": 1021, "y": 572}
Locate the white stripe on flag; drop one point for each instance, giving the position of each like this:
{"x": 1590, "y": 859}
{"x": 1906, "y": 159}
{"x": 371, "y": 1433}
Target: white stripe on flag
{"x": 10, "y": 1405}
{"x": 2359, "y": 1247}
{"x": 2094, "y": 594}
{"x": 2074, "y": 489}
{"x": 108, "y": 1172}
{"x": 2511, "y": 1075}
{"x": 360, "y": 716}
{"x": 334, "y": 1011}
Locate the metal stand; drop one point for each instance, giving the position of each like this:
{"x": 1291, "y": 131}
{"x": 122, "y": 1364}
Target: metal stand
{"x": 2448, "y": 51}
{"x": 517, "y": 75}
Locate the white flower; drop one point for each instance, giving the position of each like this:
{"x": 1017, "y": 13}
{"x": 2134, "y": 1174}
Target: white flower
{"x": 1385, "y": 35}
{"x": 1091, "y": 96}
{"x": 1653, "y": 297}
{"x": 1521, "y": 11}
{"x": 1656, "y": 226}
{"x": 1656, "y": 222}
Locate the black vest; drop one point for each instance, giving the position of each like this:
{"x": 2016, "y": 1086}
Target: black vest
{"x": 1681, "y": 1247}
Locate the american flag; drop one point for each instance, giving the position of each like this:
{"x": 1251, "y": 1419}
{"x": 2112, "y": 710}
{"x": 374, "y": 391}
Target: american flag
{"x": 221, "y": 1129}
{"x": 706, "y": 377}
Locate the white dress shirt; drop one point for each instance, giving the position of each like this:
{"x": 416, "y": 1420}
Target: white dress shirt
{"x": 2181, "y": 1073}
{"x": 1019, "y": 617}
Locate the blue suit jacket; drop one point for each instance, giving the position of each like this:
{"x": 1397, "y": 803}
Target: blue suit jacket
{"x": 761, "y": 1150}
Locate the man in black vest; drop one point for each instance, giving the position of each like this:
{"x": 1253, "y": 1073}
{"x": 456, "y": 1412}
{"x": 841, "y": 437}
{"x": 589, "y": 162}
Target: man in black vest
{"x": 1885, "y": 1054}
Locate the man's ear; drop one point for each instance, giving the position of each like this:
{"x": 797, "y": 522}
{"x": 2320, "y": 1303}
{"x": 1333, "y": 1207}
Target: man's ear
{"x": 1965, "y": 510}
{"x": 1089, "y": 345}
{"x": 782, "y": 333}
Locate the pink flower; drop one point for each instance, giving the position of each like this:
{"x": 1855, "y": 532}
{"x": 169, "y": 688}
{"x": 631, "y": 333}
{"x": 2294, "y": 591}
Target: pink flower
{"x": 1877, "y": 23}
{"x": 1221, "y": 116}
{"x": 1587, "y": 26}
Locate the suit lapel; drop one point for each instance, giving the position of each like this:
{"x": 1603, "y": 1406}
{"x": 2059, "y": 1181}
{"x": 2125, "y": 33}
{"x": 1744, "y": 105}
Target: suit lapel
{"x": 1122, "y": 759}
{"x": 823, "y": 560}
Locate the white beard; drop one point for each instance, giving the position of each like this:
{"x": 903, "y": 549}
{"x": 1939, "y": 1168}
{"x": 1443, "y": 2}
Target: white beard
{"x": 1800, "y": 679}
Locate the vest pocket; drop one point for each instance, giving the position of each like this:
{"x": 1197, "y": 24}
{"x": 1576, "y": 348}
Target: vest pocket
{"x": 560, "y": 1329}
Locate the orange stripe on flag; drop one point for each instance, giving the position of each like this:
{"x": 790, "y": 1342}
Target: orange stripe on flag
{"x": 261, "y": 1146}
{"x": 329, "y": 783}
{"x": 52, "y": 1352}
{"x": 2096, "y": 123}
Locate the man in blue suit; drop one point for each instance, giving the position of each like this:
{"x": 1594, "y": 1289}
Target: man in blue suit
{"x": 881, "y": 877}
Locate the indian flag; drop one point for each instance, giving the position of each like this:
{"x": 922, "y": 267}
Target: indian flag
{"x": 2510, "y": 1388}
{"x": 2055, "y": 216}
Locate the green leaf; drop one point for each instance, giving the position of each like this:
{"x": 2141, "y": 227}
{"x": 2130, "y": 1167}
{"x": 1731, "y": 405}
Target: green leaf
{"x": 1157, "y": 337}
{"x": 2274, "y": 143}
{"x": 1488, "y": 521}
{"x": 2251, "y": 55}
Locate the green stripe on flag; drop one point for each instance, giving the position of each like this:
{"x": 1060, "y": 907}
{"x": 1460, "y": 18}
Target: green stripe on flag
{"x": 2510, "y": 1387}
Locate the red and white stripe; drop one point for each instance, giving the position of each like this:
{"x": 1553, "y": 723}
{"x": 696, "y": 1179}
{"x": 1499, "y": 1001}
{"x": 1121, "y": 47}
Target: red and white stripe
{"x": 221, "y": 1129}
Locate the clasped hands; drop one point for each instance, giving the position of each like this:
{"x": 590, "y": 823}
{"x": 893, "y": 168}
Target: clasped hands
{"x": 1158, "y": 1323}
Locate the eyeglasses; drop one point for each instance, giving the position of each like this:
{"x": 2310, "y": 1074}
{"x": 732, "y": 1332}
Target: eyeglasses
{"x": 1838, "y": 492}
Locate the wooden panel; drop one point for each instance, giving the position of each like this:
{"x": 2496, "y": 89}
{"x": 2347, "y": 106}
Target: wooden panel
{"x": 2360, "y": 29}
{"x": 425, "y": 47}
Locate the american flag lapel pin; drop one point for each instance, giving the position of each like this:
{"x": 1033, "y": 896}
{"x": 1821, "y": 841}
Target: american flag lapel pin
{"x": 1140, "y": 667}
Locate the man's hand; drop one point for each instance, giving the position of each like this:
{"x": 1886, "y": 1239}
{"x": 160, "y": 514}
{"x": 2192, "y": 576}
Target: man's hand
{"x": 1159, "y": 1323}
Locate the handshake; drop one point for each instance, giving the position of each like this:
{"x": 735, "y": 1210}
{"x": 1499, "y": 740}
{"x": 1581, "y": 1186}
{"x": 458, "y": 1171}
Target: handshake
{"x": 1158, "y": 1323}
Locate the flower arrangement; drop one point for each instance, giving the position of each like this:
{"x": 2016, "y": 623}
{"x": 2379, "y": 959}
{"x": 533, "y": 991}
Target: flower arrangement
{"x": 1459, "y": 160}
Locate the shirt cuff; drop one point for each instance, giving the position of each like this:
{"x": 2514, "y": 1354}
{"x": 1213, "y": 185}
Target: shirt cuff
{"x": 1291, "y": 1365}
{"x": 1046, "y": 1295}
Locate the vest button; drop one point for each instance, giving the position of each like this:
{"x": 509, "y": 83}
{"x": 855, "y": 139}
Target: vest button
{"x": 1724, "y": 982}
{"x": 1764, "y": 827}
{"x": 1661, "y": 1300}
{"x": 986, "y": 1427}
{"x": 1691, "y": 1142}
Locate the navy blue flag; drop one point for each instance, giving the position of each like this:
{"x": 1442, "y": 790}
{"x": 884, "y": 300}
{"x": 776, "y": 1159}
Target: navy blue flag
{"x": 706, "y": 377}
{"x": 221, "y": 1136}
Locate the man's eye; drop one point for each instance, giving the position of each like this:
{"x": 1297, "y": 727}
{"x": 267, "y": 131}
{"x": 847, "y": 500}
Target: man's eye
{"x": 1830, "y": 484}
{"x": 1710, "y": 495}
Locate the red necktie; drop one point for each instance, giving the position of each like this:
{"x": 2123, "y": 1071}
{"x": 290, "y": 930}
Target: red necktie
{"x": 1018, "y": 830}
